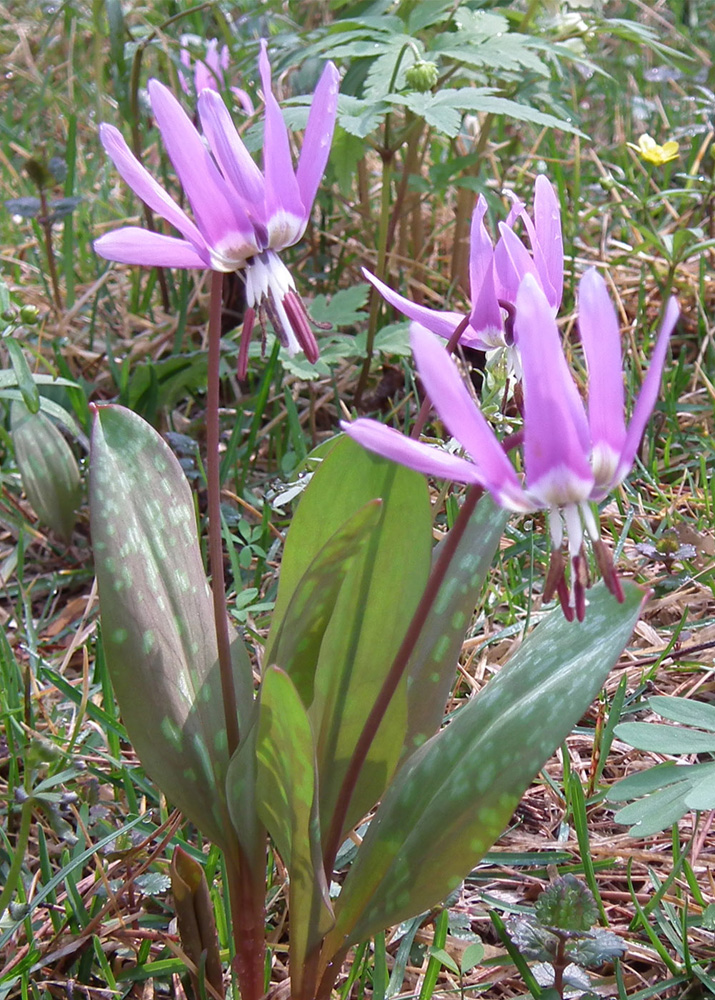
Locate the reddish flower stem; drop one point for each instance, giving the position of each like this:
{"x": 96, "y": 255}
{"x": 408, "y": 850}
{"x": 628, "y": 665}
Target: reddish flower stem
{"x": 213, "y": 484}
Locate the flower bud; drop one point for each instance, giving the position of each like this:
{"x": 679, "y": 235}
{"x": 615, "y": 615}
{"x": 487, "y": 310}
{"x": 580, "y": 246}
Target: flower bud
{"x": 29, "y": 315}
{"x": 422, "y": 76}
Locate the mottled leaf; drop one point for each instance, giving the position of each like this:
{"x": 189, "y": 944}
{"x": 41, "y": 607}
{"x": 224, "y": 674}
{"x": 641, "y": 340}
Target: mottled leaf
{"x": 48, "y": 468}
{"x": 157, "y": 617}
{"x": 454, "y": 796}
{"x": 285, "y": 797}
{"x": 377, "y": 599}
{"x": 294, "y": 644}
{"x": 432, "y": 666}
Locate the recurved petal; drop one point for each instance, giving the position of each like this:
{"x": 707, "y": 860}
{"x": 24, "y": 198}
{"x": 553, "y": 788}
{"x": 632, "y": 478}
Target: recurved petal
{"x": 236, "y": 163}
{"x": 143, "y": 184}
{"x": 549, "y": 246}
{"x": 219, "y": 215}
{"x": 132, "y": 245}
{"x": 438, "y": 321}
{"x": 649, "y": 392}
{"x": 601, "y": 341}
{"x": 416, "y": 455}
{"x": 556, "y": 436}
{"x": 464, "y": 420}
{"x": 318, "y": 135}
{"x": 286, "y": 214}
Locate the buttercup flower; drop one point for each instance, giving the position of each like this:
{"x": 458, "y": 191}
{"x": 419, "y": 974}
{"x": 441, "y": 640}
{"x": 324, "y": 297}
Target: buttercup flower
{"x": 572, "y": 456}
{"x": 495, "y": 273}
{"x": 209, "y": 73}
{"x": 242, "y": 217}
{"x": 651, "y": 151}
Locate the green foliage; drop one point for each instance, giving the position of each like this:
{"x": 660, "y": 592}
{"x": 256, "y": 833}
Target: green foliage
{"x": 364, "y": 621}
{"x": 157, "y": 617}
{"x": 49, "y": 471}
{"x": 474, "y": 771}
{"x": 568, "y": 904}
{"x": 659, "y": 796}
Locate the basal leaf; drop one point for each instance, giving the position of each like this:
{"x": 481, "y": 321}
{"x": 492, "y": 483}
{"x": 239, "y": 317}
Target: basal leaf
{"x": 157, "y": 617}
{"x": 432, "y": 667}
{"x": 453, "y": 797}
{"x": 372, "y": 610}
{"x": 48, "y": 468}
{"x": 295, "y": 645}
{"x": 285, "y": 797}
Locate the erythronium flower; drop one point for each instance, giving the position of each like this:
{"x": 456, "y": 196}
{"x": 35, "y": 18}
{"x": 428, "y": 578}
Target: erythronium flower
{"x": 209, "y": 72}
{"x": 242, "y": 217}
{"x": 495, "y": 273}
{"x": 572, "y": 455}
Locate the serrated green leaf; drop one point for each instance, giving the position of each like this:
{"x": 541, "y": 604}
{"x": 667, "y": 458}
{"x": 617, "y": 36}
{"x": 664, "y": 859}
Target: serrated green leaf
{"x": 453, "y": 797}
{"x": 428, "y": 14}
{"x": 294, "y": 645}
{"x": 360, "y": 117}
{"x": 285, "y": 798}
{"x": 157, "y": 618}
{"x": 49, "y": 471}
{"x": 388, "y": 71}
{"x": 685, "y": 710}
{"x": 660, "y": 738}
{"x": 432, "y": 666}
{"x": 344, "y": 308}
{"x": 444, "y": 110}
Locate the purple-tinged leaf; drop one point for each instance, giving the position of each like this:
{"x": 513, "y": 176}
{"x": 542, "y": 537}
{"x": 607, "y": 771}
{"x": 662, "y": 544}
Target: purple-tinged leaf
{"x": 157, "y": 618}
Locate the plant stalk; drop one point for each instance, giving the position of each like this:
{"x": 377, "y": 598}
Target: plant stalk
{"x": 213, "y": 484}
{"x": 46, "y": 226}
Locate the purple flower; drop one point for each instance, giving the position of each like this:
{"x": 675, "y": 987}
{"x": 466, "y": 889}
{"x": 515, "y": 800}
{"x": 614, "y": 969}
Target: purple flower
{"x": 242, "y": 217}
{"x": 495, "y": 273}
{"x": 209, "y": 72}
{"x": 572, "y": 455}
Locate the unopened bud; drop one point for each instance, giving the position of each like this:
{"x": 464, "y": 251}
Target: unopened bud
{"x": 29, "y": 315}
{"x": 422, "y": 76}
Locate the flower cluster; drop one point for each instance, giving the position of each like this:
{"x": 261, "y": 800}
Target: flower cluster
{"x": 209, "y": 73}
{"x": 242, "y": 216}
{"x": 573, "y": 455}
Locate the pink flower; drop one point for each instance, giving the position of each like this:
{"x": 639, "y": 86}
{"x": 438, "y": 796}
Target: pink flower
{"x": 242, "y": 216}
{"x": 495, "y": 273}
{"x": 210, "y": 72}
{"x": 572, "y": 455}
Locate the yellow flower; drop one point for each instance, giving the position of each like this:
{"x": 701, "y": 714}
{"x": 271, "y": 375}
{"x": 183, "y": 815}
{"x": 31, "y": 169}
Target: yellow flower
{"x": 653, "y": 153}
